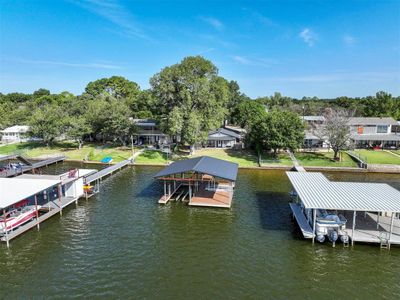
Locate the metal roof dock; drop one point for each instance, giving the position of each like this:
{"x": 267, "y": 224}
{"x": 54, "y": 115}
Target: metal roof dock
{"x": 378, "y": 202}
{"x": 205, "y": 181}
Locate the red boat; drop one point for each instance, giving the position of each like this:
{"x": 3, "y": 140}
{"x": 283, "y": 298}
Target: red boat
{"x": 17, "y": 217}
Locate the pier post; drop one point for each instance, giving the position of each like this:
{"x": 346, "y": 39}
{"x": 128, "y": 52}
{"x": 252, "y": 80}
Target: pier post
{"x": 59, "y": 198}
{"x": 37, "y": 213}
{"x": 354, "y": 228}
{"x": 391, "y": 228}
{"x": 314, "y": 221}
{"x": 5, "y": 228}
{"x": 377, "y": 221}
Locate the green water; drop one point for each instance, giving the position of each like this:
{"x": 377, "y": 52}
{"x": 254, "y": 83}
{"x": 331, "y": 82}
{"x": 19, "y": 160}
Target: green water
{"x": 122, "y": 244}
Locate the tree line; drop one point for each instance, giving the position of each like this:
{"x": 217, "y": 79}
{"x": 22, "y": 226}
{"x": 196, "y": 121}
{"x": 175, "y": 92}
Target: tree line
{"x": 187, "y": 99}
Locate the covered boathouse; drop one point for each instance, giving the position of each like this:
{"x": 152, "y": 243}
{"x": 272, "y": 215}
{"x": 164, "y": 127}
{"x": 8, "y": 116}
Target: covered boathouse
{"x": 200, "y": 181}
{"x": 370, "y": 211}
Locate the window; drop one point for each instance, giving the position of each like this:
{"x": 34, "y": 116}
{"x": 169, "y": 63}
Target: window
{"x": 382, "y": 129}
{"x": 360, "y": 130}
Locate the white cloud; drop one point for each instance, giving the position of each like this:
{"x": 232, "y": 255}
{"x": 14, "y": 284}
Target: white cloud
{"x": 116, "y": 13}
{"x": 214, "y": 22}
{"x": 93, "y": 65}
{"x": 308, "y": 36}
{"x": 257, "y": 62}
{"x": 349, "y": 40}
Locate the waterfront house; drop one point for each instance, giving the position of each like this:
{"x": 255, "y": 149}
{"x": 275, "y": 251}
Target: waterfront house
{"x": 14, "y": 134}
{"x": 311, "y": 138}
{"x": 374, "y": 132}
{"x": 224, "y": 138}
{"x": 149, "y": 133}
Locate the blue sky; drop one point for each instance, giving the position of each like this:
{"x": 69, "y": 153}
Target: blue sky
{"x": 299, "y": 48}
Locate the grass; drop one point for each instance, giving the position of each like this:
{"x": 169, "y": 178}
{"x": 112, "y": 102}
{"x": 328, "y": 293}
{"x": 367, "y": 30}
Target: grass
{"x": 244, "y": 158}
{"x": 89, "y": 151}
{"x": 379, "y": 157}
{"x": 324, "y": 159}
{"x": 151, "y": 157}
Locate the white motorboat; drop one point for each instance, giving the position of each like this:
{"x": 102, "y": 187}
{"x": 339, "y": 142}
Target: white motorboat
{"x": 17, "y": 217}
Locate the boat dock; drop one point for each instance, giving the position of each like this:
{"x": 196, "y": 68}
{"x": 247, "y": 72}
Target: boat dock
{"x": 370, "y": 210}
{"x": 28, "y": 166}
{"x": 200, "y": 181}
{"x": 45, "y": 195}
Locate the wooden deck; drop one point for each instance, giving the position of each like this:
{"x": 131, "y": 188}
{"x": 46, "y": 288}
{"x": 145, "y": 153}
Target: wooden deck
{"x": 165, "y": 198}
{"x": 368, "y": 231}
{"x": 219, "y": 198}
{"x": 305, "y": 227}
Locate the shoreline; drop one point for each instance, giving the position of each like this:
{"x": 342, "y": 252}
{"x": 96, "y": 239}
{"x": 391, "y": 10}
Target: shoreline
{"x": 271, "y": 167}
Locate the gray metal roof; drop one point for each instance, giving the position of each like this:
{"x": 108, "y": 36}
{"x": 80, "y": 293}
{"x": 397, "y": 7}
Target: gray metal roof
{"x": 376, "y": 137}
{"x": 224, "y": 131}
{"x": 316, "y": 191}
{"x": 205, "y": 165}
{"x": 372, "y": 121}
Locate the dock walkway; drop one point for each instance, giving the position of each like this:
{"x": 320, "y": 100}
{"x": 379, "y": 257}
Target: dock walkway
{"x": 305, "y": 227}
{"x": 32, "y": 166}
{"x": 107, "y": 171}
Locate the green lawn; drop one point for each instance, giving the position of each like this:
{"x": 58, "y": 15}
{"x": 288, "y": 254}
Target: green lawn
{"x": 379, "y": 157}
{"x": 151, "y": 157}
{"x": 90, "y": 151}
{"x": 324, "y": 159}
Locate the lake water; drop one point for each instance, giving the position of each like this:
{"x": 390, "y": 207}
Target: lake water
{"x": 122, "y": 243}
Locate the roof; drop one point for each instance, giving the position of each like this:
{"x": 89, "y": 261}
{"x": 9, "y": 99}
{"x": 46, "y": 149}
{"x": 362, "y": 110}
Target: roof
{"x": 313, "y": 118}
{"x": 316, "y": 191}
{"x": 236, "y": 129}
{"x": 375, "y": 137}
{"x": 205, "y": 165}
{"x": 220, "y": 132}
{"x": 13, "y": 190}
{"x": 16, "y": 128}
{"x": 372, "y": 121}
{"x": 144, "y": 122}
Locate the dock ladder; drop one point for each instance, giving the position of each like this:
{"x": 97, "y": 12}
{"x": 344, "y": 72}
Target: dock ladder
{"x": 384, "y": 240}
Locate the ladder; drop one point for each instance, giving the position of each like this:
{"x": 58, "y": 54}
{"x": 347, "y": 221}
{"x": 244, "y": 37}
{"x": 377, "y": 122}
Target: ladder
{"x": 384, "y": 240}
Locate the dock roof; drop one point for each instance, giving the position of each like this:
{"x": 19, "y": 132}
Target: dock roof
{"x": 13, "y": 190}
{"x": 316, "y": 191}
{"x": 205, "y": 165}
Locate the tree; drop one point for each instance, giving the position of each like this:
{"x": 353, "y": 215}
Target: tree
{"x": 247, "y": 113}
{"x": 192, "y": 99}
{"x": 336, "y": 130}
{"x": 48, "y": 123}
{"x": 116, "y": 87}
{"x": 277, "y": 130}
{"x": 41, "y": 92}
{"x": 77, "y": 129}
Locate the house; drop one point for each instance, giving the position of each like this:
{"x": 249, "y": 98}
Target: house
{"x": 224, "y": 138}
{"x": 149, "y": 133}
{"x": 14, "y": 134}
{"x": 374, "y": 132}
{"x": 364, "y": 132}
{"x": 311, "y": 138}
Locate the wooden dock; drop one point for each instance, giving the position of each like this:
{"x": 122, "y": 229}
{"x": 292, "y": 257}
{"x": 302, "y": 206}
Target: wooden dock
{"x": 107, "y": 171}
{"x": 29, "y": 167}
{"x": 165, "y": 198}
{"x": 218, "y": 198}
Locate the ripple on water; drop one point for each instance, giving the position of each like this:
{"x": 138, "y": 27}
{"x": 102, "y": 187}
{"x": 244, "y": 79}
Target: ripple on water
{"x": 121, "y": 243}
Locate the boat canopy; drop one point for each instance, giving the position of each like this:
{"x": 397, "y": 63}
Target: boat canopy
{"x": 204, "y": 165}
{"x": 13, "y": 190}
{"x": 317, "y": 192}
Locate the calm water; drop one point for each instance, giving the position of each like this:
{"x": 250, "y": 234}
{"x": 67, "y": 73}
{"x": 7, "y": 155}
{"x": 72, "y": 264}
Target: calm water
{"x": 121, "y": 243}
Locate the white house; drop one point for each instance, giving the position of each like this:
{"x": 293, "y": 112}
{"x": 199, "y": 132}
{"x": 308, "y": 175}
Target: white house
{"x": 14, "y": 134}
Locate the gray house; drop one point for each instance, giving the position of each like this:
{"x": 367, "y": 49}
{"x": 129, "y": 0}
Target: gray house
{"x": 374, "y": 132}
{"x": 224, "y": 138}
